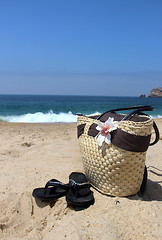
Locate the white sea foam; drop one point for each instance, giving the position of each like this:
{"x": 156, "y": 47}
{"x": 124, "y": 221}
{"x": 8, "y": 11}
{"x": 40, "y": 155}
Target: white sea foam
{"x": 40, "y": 117}
{"x": 49, "y": 117}
{"x": 156, "y": 116}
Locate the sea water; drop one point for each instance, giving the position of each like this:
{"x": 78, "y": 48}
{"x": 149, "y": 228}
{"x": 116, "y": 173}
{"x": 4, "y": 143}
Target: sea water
{"x": 53, "y": 109}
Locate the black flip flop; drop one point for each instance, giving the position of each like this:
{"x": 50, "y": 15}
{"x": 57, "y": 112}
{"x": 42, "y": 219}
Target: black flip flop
{"x": 79, "y": 194}
{"x": 53, "y": 189}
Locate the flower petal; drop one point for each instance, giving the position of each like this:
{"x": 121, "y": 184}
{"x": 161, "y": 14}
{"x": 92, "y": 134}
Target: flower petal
{"x": 98, "y": 128}
{"x": 108, "y": 139}
{"x": 100, "y": 124}
{"x": 113, "y": 128}
{"x": 109, "y": 120}
{"x": 100, "y": 140}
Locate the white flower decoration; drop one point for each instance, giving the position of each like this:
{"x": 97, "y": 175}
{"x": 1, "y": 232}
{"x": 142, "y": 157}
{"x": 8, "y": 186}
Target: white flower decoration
{"x": 105, "y": 129}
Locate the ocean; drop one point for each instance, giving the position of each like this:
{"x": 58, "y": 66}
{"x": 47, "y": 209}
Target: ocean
{"x": 57, "y": 109}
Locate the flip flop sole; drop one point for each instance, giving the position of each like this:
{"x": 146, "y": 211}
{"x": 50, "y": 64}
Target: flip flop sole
{"x": 79, "y": 194}
{"x": 79, "y": 203}
{"x": 40, "y": 194}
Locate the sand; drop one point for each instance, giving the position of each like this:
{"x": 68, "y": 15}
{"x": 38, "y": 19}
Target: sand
{"x": 32, "y": 154}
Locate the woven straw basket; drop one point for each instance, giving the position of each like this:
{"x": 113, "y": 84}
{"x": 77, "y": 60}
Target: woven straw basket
{"x": 117, "y": 168}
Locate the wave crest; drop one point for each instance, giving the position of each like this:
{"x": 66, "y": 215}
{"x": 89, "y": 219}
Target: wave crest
{"x": 49, "y": 117}
{"x": 40, "y": 117}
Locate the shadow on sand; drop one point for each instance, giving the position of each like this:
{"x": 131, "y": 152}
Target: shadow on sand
{"x": 153, "y": 188}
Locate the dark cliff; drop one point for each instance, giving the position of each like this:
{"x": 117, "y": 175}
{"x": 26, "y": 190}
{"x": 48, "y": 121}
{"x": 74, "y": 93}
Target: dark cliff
{"x": 156, "y": 92}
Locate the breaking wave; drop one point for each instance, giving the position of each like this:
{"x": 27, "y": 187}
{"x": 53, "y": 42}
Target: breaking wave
{"x": 39, "y": 117}
{"x": 49, "y": 117}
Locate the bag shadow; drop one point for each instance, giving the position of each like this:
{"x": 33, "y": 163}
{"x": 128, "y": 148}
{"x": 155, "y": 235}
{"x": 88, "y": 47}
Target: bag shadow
{"x": 153, "y": 192}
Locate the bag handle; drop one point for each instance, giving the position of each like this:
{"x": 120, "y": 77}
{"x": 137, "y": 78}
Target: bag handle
{"x": 137, "y": 110}
{"x": 156, "y": 133}
{"x": 131, "y": 114}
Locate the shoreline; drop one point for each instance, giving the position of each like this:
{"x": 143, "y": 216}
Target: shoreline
{"x": 154, "y": 118}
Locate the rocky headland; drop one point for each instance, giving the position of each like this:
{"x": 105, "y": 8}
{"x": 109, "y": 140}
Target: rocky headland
{"x": 156, "y": 92}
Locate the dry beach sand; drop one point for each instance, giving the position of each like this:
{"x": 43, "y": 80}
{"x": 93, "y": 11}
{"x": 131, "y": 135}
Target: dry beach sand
{"x": 32, "y": 154}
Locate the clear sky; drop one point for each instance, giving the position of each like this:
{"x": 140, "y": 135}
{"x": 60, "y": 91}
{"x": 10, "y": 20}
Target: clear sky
{"x": 82, "y": 47}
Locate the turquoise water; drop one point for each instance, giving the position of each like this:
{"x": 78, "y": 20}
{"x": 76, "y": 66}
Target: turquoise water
{"x": 46, "y": 108}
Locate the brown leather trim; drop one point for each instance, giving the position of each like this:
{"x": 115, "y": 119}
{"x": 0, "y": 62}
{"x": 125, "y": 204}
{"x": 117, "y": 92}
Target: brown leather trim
{"x": 130, "y": 142}
{"x": 121, "y": 139}
{"x": 92, "y": 130}
{"x": 80, "y": 129}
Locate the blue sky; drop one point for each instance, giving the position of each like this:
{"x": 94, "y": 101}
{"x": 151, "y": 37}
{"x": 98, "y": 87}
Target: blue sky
{"x": 82, "y": 47}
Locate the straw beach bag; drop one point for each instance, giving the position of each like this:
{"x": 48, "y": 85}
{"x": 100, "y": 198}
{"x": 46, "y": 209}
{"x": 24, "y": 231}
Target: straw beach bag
{"x": 113, "y": 148}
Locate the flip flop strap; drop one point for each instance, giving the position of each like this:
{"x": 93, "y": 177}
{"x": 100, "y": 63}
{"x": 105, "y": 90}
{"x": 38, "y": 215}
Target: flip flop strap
{"x": 75, "y": 187}
{"x": 56, "y": 183}
{"x": 79, "y": 186}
